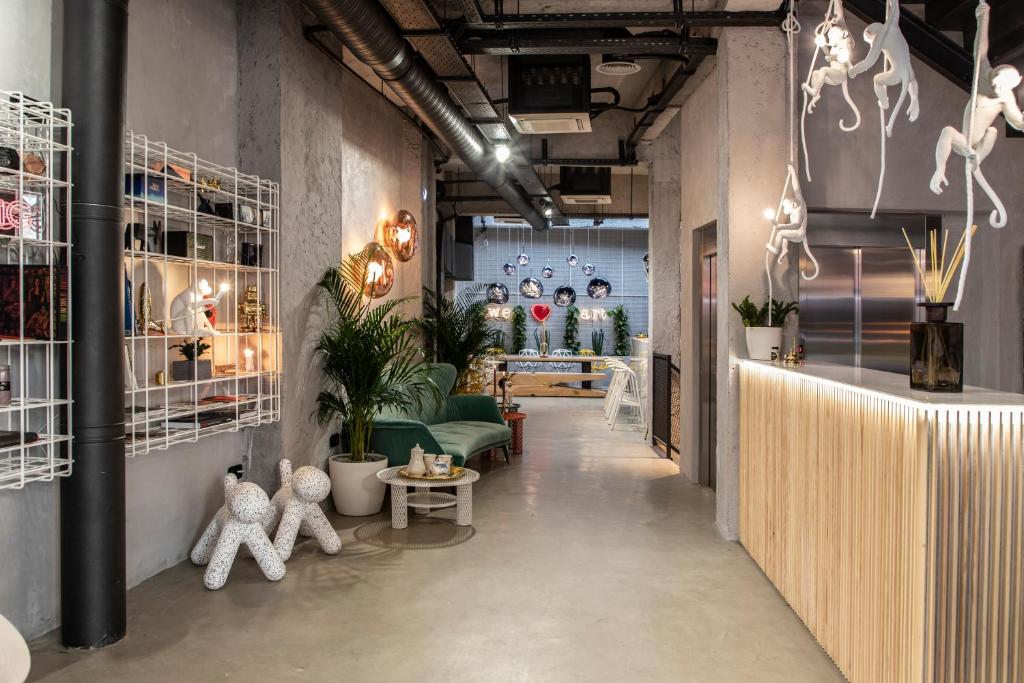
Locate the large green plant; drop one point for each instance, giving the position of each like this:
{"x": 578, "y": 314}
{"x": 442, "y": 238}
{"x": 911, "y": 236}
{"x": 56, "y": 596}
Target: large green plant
{"x": 572, "y": 329}
{"x": 371, "y": 360}
{"x": 753, "y": 315}
{"x": 518, "y": 329}
{"x": 456, "y": 330}
{"x": 620, "y": 327}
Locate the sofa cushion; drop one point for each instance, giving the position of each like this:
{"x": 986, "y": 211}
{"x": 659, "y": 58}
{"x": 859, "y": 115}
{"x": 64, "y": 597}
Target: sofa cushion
{"x": 462, "y": 439}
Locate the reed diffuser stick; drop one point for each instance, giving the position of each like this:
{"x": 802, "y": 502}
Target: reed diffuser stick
{"x": 936, "y": 274}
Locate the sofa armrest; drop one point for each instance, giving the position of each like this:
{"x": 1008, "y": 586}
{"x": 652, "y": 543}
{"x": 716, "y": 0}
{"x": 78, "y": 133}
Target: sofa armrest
{"x": 394, "y": 438}
{"x": 472, "y": 407}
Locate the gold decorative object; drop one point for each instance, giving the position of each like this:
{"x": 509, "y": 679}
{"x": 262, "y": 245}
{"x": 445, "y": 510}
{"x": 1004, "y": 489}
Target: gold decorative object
{"x": 208, "y": 181}
{"x": 145, "y": 313}
{"x": 792, "y": 359}
{"x": 402, "y": 235}
{"x": 380, "y": 272}
{"x": 161, "y": 378}
{"x": 455, "y": 473}
{"x": 251, "y": 312}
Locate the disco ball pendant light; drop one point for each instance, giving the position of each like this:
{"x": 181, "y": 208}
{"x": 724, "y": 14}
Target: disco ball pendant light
{"x": 509, "y": 268}
{"x": 564, "y": 296}
{"x": 531, "y": 288}
{"x": 547, "y": 273}
{"x": 599, "y": 288}
{"x": 589, "y": 269}
{"x": 497, "y": 293}
{"x": 572, "y": 260}
{"x": 523, "y": 259}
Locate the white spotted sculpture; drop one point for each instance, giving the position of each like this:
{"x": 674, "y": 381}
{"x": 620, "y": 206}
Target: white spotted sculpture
{"x": 991, "y": 95}
{"x": 309, "y": 486}
{"x": 887, "y": 41}
{"x": 279, "y": 501}
{"x": 833, "y": 39}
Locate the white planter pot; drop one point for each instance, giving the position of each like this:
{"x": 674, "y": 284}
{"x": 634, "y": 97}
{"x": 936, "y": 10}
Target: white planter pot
{"x": 355, "y": 489}
{"x": 761, "y": 341}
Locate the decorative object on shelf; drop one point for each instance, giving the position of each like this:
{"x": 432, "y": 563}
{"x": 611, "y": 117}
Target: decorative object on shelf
{"x": 380, "y": 271}
{"x": 188, "y": 244}
{"x": 523, "y": 259}
{"x": 599, "y": 288}
{"x": 145, "y": 187}
{"x": 247, "y": 214}
{"x": 588, "y": 269}
{"x": 34, "y": 164}
{"x": 203, "y": 204}
{"x": 887, "y": 41}
{"x": 250, "y": 364}
{"x": 497, "y": 293}
{"x": 309, "y": 486}
{"x": 763, "y": 326}
{"x": 564, "y": 296}
{"x": 572, "y": 260}
{"x": 937, "y": 346}
{"x": 597, "y": 342}
{"x": 570, "y": 338}
{"x": 456, "y": 331}
{"x": 193, "y": 367}
{"x": 547, "y": 272}
{"x": 531, "y": 288}
{"x": 239, "y": 522}
{"x": 509, "y": 268}
{"x": 370, "y": 357}
{"x": 172, "y": 170}
{"x": 401, "y": 235}
{"x": 25, "y": 301}
{"x": 416, "y": 466}
{"x": 251, "y": 312}
{"x": 145, "y": 321}
{"x": 142, "y": 237}
{"x": 252, "y": 254}
{"x": 210, "y": 182}
{"x": 620, "y": 327}
{"x": 518, "y": 328}
{"x": 5, "y": 385}
{"x": 160, "y": 378}
{"x": 188, "y": 309}
{"x": 21, "y": 215}
{"x": 127, "y": 303}
{"x": 9, "y": 158}
{"x": 833, "y": 39}
{"x": 225, "y": 210}
{"x": 991, "y": 95}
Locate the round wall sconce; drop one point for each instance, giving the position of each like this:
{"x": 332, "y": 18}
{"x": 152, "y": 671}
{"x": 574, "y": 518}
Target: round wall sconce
{"x": 509, "y": 268}
{"x": 564, "y": 296}
{"x": 588, "y": 269}
{"x": 380, "y": 271}
{"x": 547, "y": 272}
{"x": 531, "y": 288}
{"x": 599, "y": 288}
{"x": 402, "y": 235}
{"x": 572, "y": 260}
{"x": 497, "y": 293}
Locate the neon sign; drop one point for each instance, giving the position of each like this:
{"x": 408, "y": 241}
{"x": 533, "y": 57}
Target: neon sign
{"x": 20, "y": 213}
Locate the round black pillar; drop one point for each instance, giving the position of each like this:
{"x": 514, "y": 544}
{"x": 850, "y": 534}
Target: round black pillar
{"x": 93, "y": 585}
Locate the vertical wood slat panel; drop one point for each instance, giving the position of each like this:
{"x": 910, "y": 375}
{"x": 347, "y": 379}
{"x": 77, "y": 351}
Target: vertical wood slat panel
{"x": 894, "y": 531}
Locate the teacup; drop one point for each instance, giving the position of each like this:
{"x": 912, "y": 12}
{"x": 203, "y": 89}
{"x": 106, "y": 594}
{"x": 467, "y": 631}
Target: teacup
{"x": 443, "y": 465}
{"x": 428, "y": 461}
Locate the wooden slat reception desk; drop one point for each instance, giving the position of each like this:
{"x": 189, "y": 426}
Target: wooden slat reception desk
{"x": 891, "y": 520}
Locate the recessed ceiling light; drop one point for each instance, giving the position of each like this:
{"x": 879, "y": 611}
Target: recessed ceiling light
{"x": 618, "y": 67}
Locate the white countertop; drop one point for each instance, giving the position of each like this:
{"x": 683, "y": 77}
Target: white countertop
{"x": 893, "y": 385}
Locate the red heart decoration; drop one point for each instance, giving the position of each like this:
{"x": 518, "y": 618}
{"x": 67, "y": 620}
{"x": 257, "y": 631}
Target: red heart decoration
{"x": 540, "y": 312}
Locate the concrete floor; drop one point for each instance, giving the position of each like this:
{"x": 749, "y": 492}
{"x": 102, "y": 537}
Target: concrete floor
{"x": 590, "y": 559}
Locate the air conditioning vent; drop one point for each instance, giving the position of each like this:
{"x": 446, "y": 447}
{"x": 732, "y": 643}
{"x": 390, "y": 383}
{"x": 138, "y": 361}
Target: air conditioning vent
{"x": 587, "y": 185}
{"x": 549, "y": 124}
{"x": 549, "y": 94}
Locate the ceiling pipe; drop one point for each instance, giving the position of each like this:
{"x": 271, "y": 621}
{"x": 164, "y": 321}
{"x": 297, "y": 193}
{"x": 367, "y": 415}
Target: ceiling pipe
{"x": 368, "y": 31}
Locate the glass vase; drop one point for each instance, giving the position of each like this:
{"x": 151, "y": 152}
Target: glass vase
{"x": 936, "y": 351}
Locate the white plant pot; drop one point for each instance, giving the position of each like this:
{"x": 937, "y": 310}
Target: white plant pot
{"x": 761, "y": 341}
{"x": 355, "y": 489}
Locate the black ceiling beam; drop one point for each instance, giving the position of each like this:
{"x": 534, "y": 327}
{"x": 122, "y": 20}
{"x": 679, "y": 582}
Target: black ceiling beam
{"x": 594, "y": 161}
{"x": 926, "y": 43}
{"x": 680, "y": 19}
{"x": 662, "y": 102}
{"x": 574, "y": 42}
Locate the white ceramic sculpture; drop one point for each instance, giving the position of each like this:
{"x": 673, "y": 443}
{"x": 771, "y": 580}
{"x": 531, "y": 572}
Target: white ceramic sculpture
{"x": 833, "y": 39}
{"x": 309, "y": 486}
{"x": 188, "y": 309}
{"x": 887, "y": 41}
{"x": 794, "y": 229}
{"x": 279, "y": 501}
{"x": 992, "y": 94}
{"x": 239, "y": 522}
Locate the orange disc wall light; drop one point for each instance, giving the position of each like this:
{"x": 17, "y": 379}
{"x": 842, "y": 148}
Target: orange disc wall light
{"x": 380, "y": 271}
{"x": 401, "y": 235}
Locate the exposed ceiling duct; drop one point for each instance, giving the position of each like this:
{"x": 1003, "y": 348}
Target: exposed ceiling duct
{"x": 368, "y": 31}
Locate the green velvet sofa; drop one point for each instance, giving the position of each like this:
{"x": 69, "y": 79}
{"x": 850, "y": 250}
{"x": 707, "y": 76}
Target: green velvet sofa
{"x": 461, "y": 425}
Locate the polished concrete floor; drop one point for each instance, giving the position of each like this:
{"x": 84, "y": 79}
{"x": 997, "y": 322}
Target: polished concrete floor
{"x": 590, "y": 559}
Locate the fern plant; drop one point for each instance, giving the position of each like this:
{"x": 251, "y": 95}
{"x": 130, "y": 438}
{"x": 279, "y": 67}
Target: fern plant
{"x": 597, "y": 341}
{"x": 572, "y": 329}
{"x": 456, "y": 330}
{"x": 518, "y": 329}
{"x": 620, "y": 328}
{"x": 753, "y": 315}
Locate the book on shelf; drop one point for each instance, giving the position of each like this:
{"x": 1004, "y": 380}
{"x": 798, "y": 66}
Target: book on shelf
{"x": 27, "y": 300}
{"x": 8, "y": 439}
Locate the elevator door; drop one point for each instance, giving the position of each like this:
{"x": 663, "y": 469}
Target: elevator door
{"x": 708, "y": 306}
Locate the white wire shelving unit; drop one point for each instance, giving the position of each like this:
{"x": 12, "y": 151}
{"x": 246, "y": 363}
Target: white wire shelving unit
{"x": 242, "y": 250}
{"x": 35, "y": 310}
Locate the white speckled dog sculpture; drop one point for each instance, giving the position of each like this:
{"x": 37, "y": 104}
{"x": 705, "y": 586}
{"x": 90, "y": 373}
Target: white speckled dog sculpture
{"x": 309, "y": 486}
{"x": 280, "y": 500}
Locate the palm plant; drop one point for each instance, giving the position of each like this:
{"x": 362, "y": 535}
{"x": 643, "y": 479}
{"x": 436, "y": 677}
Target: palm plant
{"x": 370, "y": 357}
{"x": 456, "y": 330}
{"x": 752, "y": 315}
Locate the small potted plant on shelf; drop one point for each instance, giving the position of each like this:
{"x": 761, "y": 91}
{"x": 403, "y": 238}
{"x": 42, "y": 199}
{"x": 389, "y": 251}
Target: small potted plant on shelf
{"x": 764, "y": 333}
{"x": 193, "y": 367}
{"x": 371, "y": 363}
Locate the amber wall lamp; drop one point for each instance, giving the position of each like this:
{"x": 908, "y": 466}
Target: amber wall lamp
{"x": 401, "y": 235}
{"x": 380, "y": 271}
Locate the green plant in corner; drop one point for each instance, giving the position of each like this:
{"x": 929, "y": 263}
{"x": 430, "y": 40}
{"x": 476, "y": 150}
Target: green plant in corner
{"x": 370, "y": 354}
{"x": 572, "y": 329}
{"x": 620, "y": 328}
{"x": 518, "y": 329}
{"x": 456, "y": 330}
{"x": 753, "y": 315}
{"x": 191, "y": 347}
{"x": 597, "y": 341}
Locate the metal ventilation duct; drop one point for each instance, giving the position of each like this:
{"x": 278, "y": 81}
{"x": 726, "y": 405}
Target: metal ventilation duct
{"x": 370, "y": 34}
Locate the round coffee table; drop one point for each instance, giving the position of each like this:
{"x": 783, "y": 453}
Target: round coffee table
{"x": 515, "y": 422}
{"x": 424, "y": 499}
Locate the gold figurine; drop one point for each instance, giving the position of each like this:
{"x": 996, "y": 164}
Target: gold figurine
{"x": 251, "y": 312}
{"x": 145, "y": 313}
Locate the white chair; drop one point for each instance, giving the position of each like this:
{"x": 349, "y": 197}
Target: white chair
{"x": 528, "y": 365}
{"x": 625, "y": 392}
{"x": 561, "y": 366}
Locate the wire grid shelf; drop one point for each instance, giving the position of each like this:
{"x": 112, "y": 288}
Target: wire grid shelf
{"x": 225, "y": 226}
{"x": 35, "y": 310}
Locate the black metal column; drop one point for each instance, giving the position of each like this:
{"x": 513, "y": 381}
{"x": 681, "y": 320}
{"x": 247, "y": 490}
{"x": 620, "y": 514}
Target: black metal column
{"x": 93, "y": 498}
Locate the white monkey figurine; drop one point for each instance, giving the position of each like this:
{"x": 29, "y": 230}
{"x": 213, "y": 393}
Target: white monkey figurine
{"x": 836, "y": 42}
{"x": 243, "y": 524}
{"x": 309, "y": 486}
{"x": 794, "y": 230}
{"x": 887, "y": 41}
{"x": 188, "y": 309}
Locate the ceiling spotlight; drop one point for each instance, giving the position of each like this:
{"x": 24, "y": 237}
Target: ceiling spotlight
{"x": 548, "y": 211}
{"x": 502, "y": 153}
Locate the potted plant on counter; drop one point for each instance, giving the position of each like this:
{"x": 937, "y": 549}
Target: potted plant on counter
{"x": 764, "y": 333}
{"x": 371, "y": 362}
{"x": 193, "y": 367}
